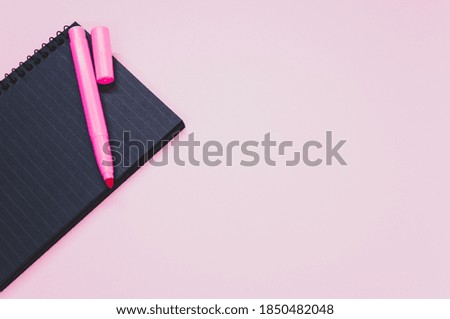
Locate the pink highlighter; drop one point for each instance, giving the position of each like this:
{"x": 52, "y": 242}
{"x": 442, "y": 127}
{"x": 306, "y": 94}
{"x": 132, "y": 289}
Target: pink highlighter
{"x": 101, "y": 49}
{"x": 92, "y": 105}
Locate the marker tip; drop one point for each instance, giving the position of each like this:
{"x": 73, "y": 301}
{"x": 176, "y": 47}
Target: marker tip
{"x": 109, "y": 182}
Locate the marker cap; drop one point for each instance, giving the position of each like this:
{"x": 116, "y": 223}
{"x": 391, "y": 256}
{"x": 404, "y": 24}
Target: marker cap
{"x": 101, "y": 47}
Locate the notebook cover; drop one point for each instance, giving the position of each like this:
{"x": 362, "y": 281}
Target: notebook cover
{"x": 49, "y": 178}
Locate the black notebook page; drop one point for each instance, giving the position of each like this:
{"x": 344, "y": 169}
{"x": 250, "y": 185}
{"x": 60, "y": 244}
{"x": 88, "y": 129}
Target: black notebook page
{"x": 48, "y": 173}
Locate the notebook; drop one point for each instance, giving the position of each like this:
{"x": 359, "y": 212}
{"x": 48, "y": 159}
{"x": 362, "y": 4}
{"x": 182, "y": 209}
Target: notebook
{"x": 49, "y": 179}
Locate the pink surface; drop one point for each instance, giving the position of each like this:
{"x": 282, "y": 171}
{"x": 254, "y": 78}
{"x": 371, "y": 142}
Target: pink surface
{"x": 376, "y": 73}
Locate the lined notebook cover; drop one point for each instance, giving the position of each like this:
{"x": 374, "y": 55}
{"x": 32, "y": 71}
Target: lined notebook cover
{"x": 49, "y": 178}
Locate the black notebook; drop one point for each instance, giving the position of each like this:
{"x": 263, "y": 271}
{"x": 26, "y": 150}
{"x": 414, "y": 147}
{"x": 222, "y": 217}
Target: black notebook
{"x": 49, "y": 179}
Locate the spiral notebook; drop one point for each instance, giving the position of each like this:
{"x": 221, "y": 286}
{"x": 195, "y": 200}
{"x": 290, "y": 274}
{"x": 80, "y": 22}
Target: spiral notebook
{"x": 49, "y": 178}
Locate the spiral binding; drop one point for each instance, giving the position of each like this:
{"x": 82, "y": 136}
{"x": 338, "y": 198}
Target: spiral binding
{"x": 33, "y": 60}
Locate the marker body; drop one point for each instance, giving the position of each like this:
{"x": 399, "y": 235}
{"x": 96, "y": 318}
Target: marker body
{"x": 92, "y": 105}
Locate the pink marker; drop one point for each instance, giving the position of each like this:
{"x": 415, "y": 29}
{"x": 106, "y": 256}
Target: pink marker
{"x": 101, "y": 49}
{"x": 92, "y": 105}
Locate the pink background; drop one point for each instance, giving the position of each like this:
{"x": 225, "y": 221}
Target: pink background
{"x": 376, "y": 73}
